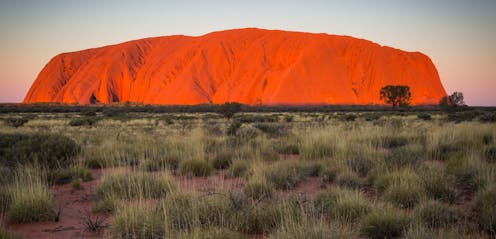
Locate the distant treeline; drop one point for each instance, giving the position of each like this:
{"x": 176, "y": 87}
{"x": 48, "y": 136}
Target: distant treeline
{"x": 205, "y": 108}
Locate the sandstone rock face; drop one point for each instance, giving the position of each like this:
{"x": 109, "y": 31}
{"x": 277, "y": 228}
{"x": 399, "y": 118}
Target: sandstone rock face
{"x": 250, "y": 66}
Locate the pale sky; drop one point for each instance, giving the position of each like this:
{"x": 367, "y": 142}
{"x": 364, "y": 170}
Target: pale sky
{"x": 459, "y": 36}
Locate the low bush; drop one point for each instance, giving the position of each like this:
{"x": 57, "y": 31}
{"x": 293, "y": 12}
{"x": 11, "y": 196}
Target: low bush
{"x": 256, "y": 118}
{"x": 349, "y": 179}
{"x": 238, "y": 168}
{"x": 328, "y": 173}
{"x": 31, "y": 200}
{"x": 406, "y": 156}
{"x": 233, "y": 128}
{"x": 371, "y": 116}
{"x": 424, "y": 116}
{"x": 195, "y": 168}
{"x": 487, "y": 139}
{"x": 179, "y": 211}
{"x": 485, "y": 210}
{"x": 438, "y": 185}
{"x": 488, "y": 117}
{"x": 342, "y": 204}
{"x": 66, "y": 175}
{"x": 437, "y": 214}
{"x": 360, "y": 165}
{"x": 134, "y": 185}
{"x": 258, "y": 188}
{"x": 348, "y": 117}
{"x": 83, "y": 121}
{"x": 15, "y": 122}
{"x": 287, "y": 148}
{"x": 222, "y": 160}
{"x": 48, "y": 150}
{"x": 285, "y": 175}
{"x": 138, "y": 220}
{"x": 384, "y": 223}
{"x": 391, "y": 141}
{"x": 383, "y": 181}
{"x": 265, "y": 217}
{"x": 464, "y": 171}
{"x": 272, "y": 129}
{"x": 447, "y": 151}
{"x": 318, "y": 149}
{"x": 490, "y": 154}
{"x": 403, "y": 188}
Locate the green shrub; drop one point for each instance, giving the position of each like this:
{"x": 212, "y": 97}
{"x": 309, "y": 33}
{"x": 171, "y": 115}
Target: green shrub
{"x": 265, "y": 217}
{"x": 66, "y": 175}
{"x": 383, "y": 181}
{"x": 446, "y": 151}
{"x": 487, "y": 139}
{"x": 287, "y": 148}
{"x": 424, "y": 116}
{"x": 272, "y": 129}
{"x": 349, "y": 179}
{"x": 83, "y": 121}
{"x": 107, "y": 204}
{"x": 488, "y": 117}
{"x": 404, "y": 194}
{"x": 285, "y": 175}
{"x": 391, "y": 142}
{"x": 319, "y": 149}
{"x": 179, "y": 211}
{"x": 349, "y": 117}
{"x": 233, "y": 128}
{"x": 238, "y": 168}
{"x": 438, "y": 185}
{"x": 137, "y": 221}
{"x": 229, "y": 109}
{"x": 134, "y": 185}
{"x": 214, "y": 210}
{"x": 464, "y": 172}
{"x": 49, "y": 150}
{"x": 31, "y": 200}
{"x": 360, "y": 165}
{"x": 256, "y": 118}
{"x": 410, "y": 155}
{"x": 258, "y": 188}
{"x": 437, "y": 214}
{"x": 490, "y": 154}
{"x": 195, "y": 168}
{"x": 341, "y": 204}
{"x": 222, "y": 160}
{"x": 328, "y": 173}
{"x": 15, "y": 122}
{"x": 485, "y": 210}
{"x": 384, "y": 223}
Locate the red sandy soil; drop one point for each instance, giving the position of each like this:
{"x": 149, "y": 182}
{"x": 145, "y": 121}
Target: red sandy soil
{"x": 250, "y": 66}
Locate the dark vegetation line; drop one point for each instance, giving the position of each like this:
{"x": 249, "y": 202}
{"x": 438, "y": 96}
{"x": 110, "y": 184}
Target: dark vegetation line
{"x": 205, "y": 108}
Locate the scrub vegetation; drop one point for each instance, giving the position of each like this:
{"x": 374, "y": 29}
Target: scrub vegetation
{"x": 404, "y": 173}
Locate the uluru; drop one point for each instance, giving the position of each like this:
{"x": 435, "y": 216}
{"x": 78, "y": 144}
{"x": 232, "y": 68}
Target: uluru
{"x": 249, "y": 66}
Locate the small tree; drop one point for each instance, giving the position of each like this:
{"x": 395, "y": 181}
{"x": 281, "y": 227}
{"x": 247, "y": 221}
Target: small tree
{"x": 453, "y": 100}
{"x": 396, "y": 95}
{"x": 228, "y": 109}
